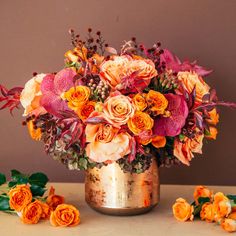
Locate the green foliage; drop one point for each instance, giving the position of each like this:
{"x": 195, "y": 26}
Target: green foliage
{"x": 198, "y": 208}
{"x": 232, "y": 197}
{"x": 37, "y": 190}
{"x": 4, "y": 203}
{"x": 39, "y": 179}
{"x": 2, "y": 179}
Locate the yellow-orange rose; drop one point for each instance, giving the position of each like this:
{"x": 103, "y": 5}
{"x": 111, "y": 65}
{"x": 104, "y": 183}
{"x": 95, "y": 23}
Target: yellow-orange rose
{"x": 213, "y": 117}
{"x": 232, "y": 215}
{"x": 35, "y": 134}
{"x": 31, "y": 214}
{"x": 157, "y": 102}
{"x": 222, "y": 206}
{"x": 20, "y": 196}
{"x": 54, "y": 200}
{"x": 65, "y": 215}
{"x": 202, "y": 191}
{"x": 182, "y": 210}
{"x": 76, "y": 96}
{"x": 140, "y": 122}
{"x": 229, "y": 225}
{"x": 207, "y": 212}
{"x": 191, "y": 80}
{"x": 212, "y": 133}
{"x": 31, "y": 95}
{"x": 159, "y": 141}
{"x": 85, "y": 110}
{"x": 118, "y": 109}
{"x": 139, "y": 101}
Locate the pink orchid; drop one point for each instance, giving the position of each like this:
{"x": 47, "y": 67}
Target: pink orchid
{"x": 172, "y": 125}
{"x": 52, "y": 88}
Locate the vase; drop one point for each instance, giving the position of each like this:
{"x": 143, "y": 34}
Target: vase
{"x": 111, "y": 191}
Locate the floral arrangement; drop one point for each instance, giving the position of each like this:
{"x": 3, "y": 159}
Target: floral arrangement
{"x": 209, "y": 207}
{"x": 24, "y": 196}
{"x": 107, "y": 106}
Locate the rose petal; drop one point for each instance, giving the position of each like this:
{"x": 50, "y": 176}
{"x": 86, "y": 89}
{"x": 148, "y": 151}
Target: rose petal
{"x": 47, "y": 84}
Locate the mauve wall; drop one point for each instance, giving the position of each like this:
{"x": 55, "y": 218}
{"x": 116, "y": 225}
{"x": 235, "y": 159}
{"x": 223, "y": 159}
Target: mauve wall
{"x": 33, "y": 37}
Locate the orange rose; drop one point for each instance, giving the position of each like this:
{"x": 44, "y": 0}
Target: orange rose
{"x": 76, "y": 96}
{"x": 46, "y": 211}
{"x": 213, "y": 117}
{"x": 145, "y": 137}
{"x": 31, "y": 214}
{"x": 232, "y": 215}
{"x": 85, "y": 110}
{"x": 35, "y": 134}
{"x": 182, "y": 210}
{"x": 118, "y": 109}
{"x": 157, "y": 102}
{"x": 139, "y": 102}
{"x": 191, "y": 80}
{"x": 222, "y": 206}
{"x": 202, "y": 191}
{"x": 212, "y": 133}
{"x": 20, "y": 196}
{"x": 54, "y": 200}
{"x": 207, "y": 212}
{"x": 140, "y": 122}
{"x": 229, "y": 225}
{"x": 159, "y": 141}
{"x": 31, "y": 95}
{"x": 65, "y": 215}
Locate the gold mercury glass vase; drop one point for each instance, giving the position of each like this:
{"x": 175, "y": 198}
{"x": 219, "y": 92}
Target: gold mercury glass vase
{"x": 111, "y": 191}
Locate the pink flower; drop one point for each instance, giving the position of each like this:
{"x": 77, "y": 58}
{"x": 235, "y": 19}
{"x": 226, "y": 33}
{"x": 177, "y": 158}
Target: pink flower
{"x": 171, "y": 123}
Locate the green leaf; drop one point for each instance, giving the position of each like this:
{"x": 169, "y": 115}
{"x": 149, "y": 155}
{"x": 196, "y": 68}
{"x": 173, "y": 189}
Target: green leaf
{"x": 203, "y": 200}
{"x": 2, "y": 179}
{"x": 232, "y": 197}
{"x": 39, "y": 179}
{"x": 83, "y": 164}
{"x": 12, "y": 184}
{"x": 37, "y": 190}
{"x": 15, "y": 173}
{"x": 4, "y": 203}
{"x": 18, "y": 177}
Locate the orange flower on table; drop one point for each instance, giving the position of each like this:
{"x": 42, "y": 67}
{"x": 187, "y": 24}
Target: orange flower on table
{"x": 35, "y": 134}
{"x": 229, "y": 225}
{"x": 202, "y": 191}
{"x": 212, "y": 133}
{"x": 31, "y": 214}
{"x": 159, "y": 141}
{"x": 232, "y": 215}
{"x": 46, "y": 210}
{"x": 140, "y": 122}
{"x": 182, "y": 210}
{"x": 65, "y": 215}
{"x": 85, "y": 110}
{"x": 213, "y": 117}
{"x": 76, "y": 96}
{"x": 157, "y": 102}
{"x": 207, "y": 212}
{"x": 191, "y": 80}
{"x": 139, "y": 101}
{"x": 20, "y": 197}
{"x": 54, "y": 200}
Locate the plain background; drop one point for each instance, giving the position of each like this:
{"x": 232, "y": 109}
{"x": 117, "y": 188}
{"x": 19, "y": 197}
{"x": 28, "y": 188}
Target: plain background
{"x": 33, "y": 37}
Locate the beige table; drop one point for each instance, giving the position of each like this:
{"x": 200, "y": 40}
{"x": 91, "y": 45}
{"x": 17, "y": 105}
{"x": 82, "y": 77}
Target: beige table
{"x": 157, "y": 222}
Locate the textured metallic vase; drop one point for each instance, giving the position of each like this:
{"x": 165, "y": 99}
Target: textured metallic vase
{"x": 111, "y": 191}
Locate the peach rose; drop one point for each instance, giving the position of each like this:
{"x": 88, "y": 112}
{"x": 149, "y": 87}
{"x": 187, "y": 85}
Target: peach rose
{"x": 20, "y": 197}
{"x": 139, "y": 101}
{"x": 222, "y": 206}
{"x": 65, "y": 215}
{"x": 85, "y": 110}
{"x": 159, "y": 141}
{"x": 54, "y": 200}
{"x": 229, "y": 225}
{"x": 31, "y": 214}
{"x": 118, "y": 109}
{"x": 100, "y": 150}
{"x": 212, "y": 133}
{"x": 31, "y": 95}
{"x": 140, "y": 122}
{"x": 202, "y": 191}
{"x": 207, "y": 212}
{"x": 190, "y": 80}
{"x": 182, "y": 210}
{"x": 157, "y": 102}
{"x": 213, "y": 117}
{"x": 35, "y": 134}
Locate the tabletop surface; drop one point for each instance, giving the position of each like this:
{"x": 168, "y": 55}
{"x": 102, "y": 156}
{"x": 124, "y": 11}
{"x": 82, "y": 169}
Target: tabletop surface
{"x": 159, "y": 221}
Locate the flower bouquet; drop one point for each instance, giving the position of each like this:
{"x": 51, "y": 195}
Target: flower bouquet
{"x": 127, "y": 108}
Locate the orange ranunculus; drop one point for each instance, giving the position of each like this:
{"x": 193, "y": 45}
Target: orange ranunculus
{"x": 31, "y": 214}
{"x": 76, "y": 96}
{"x": 20, "y": 196}
{"x": 202, "y": 191}
{"x": 212, "y": 133}
{"x": 31, "y": 95}
{"x": 85, "y": 110}
{"x": 65, "y": 215}
{"x": 157, "y": 102}
{"x": 118, "y": 109}
{"x": 213, "y": 117}
{"x": 229, "y": 225}
{"x": 54, "y": 200}
{"x": 139, "y": 101}
{"x": 46, "y": 210}
{"x": 183, "y": 150}
{"x": 191, "y": 80}
{"x": 207, "y": 212}
{"x": 182, "y": 210}
{"x": 140, "y": 122}
{"x": 35, "y": 134}
{"x": 222, "y": 206}
{"x": 159, "y": 141}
